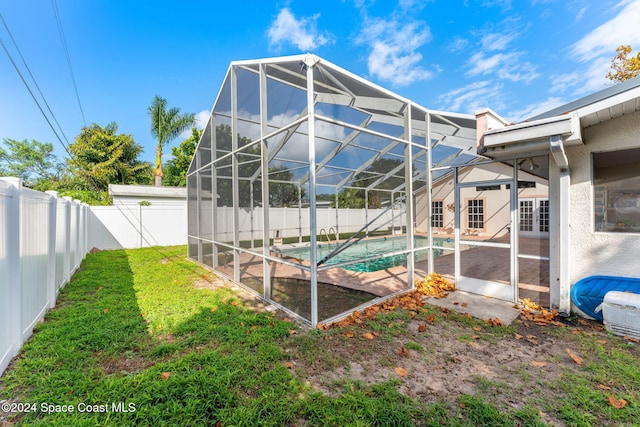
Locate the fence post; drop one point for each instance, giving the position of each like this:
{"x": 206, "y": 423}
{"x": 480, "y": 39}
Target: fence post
{"x": 14, "y": 264}
{"x": 67, "y": 239}
{"x": 51, "y": 271}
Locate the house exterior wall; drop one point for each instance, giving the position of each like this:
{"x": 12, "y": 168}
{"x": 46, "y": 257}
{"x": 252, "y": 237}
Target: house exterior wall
{"x": 496, "y": 202}
{"x": 614, "y": 254}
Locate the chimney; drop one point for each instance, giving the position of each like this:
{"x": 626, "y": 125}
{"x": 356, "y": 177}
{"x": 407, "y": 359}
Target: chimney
{"x": 486, "y": 119}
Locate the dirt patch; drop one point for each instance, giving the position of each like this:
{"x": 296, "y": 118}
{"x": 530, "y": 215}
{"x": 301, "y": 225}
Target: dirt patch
{"x": 125, "y": 364}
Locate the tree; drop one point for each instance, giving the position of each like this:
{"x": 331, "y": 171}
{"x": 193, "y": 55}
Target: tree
{"x": 624, "y": 67}
{"x": 166, "y": 125}
{"x": 175, "y": 170}
{"x": 30, "y": 161}
{"x": 355, "y": 197}
{"x": 101, "y": 157}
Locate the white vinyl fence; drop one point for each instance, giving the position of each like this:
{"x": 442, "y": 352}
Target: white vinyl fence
{"x": 43, "y": 239}
{"x": 137, "y": 226}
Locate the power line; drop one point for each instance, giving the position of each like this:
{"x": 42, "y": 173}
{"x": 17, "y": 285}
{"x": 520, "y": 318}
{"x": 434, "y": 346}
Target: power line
{"x": 31, "y": 92}
{"x": 34, "y": 79}
{"x": 66, "y": 53}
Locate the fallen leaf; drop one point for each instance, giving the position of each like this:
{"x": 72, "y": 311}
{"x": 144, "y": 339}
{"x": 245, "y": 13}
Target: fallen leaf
{"x": 601, "y": 341}
{"x": 219, "y": 424}
{"x": 464, "y": 304}
{"x": 368, "y": 335}
{"x": 604, "y": 387}
{"x": 616, "y": 403}
{"x": 538, "y": 364}
{"x": 165, "y": 375}
{"x": 467, "y": 315}
{"x": 348, "y": 334}
{"x": 456, "y": 303}
{"x": 234, "y": 303}
{"x": 292, "y": 332}
{"x": 106, "y": 310}
{"x": 320, "y": 326}
{"x": 422, "y": 327}
{"x": 518, "y": 336}
{"x": 402, "y": 372}
{"x": 286, "y": 319}
{"x": 289, "y": 364}
{"x": 630, "y": 339}
{"x": 477, "y": 328}
{"x": 248, "y": 332}
{"x": 577, "y": 359}
{"x": 475, "y": 337}
{"x": 214, "y": 309}
{"x": 430, "y": 319}
{"x": 403, "y": 352}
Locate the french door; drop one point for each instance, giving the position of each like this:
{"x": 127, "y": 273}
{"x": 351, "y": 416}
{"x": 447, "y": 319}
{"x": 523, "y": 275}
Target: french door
{"x": 534, "y": 217}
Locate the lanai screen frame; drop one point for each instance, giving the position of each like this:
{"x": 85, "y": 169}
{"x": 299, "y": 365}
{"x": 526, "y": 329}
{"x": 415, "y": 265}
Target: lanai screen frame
{"x": 452, "y": 136}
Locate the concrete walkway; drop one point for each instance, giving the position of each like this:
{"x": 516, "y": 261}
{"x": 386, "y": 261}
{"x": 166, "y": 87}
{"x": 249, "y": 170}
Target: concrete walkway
{"x": 478, "y": 306}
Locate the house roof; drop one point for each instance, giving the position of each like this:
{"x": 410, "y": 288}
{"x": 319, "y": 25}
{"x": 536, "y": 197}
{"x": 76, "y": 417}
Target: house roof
{"x": 607, "y": 104}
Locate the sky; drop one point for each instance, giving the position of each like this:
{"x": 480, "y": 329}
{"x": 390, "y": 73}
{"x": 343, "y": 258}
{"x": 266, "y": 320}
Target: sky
{"x": 519, "y": 58}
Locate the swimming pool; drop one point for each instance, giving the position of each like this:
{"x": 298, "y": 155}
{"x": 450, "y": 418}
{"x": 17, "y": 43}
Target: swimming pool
{"x": 364, "y": 249}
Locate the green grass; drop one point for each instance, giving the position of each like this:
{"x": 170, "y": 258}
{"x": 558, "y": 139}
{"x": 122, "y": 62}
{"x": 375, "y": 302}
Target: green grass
{"x": 131, "y": 329}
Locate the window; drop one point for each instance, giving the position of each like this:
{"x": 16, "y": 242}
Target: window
{"x": 437, "y": 214}
{"x": 487, "y": 188}
{"x": 475, "y": 212}
{"x": 616, "y": 187}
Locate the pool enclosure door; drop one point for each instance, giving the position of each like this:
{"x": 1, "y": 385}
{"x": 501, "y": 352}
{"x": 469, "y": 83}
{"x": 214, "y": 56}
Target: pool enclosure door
{"x": 485, "y": 248}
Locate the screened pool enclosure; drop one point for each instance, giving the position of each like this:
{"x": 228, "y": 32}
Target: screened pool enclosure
{"x": 309, "y": 186}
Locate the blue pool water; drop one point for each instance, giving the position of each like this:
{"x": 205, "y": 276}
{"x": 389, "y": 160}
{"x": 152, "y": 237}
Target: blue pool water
{"x": 367, "y": 248}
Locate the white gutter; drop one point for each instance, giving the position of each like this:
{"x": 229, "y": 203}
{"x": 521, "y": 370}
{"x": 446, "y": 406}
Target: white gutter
{"x": 530, "y": 138}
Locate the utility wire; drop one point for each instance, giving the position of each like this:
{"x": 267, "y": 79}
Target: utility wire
{"x": 34, "y": 79}
{"x": 32, "y": 95}
{"x": 66, "y": 53}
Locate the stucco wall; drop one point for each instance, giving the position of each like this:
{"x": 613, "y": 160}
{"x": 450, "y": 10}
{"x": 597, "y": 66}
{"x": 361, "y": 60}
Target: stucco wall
{"x": 497, "y": 209}
{"x": 600, "y": 253}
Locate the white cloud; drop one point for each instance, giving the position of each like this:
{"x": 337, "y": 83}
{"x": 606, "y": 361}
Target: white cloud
{"x": 532, "y": 110}
{"x": 595, "y": 50}
{"x": 472, "y": 97}
{"x": 506, "y": 66}
{"x": 458, "y": 44}
{"x": 496, "y": 41}
{"x": 495, "y": 59}
{"x": 394, "y": 45}
{"x": 301, "y": 33}
{"x": 202, "y": 118}
{"x": 621, "y": 29}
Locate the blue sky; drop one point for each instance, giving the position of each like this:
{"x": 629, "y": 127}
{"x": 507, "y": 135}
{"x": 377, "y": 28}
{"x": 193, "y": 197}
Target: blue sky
{"x": 519, "y": 58}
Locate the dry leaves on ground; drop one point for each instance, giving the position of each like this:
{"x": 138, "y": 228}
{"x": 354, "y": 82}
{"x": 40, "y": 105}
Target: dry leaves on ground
{"x": 577, "y": 359}
{"x": 165, "y": 376}
{"x": 538, "y": 364}
{"x": 434, "y": 285}
{"x": 402, "y": 372}
{"x": 616, "y": 403}
{"x": 493, "y": 322}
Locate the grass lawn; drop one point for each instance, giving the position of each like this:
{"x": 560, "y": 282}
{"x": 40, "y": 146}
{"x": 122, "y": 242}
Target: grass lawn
{"x": 140, "y": 337}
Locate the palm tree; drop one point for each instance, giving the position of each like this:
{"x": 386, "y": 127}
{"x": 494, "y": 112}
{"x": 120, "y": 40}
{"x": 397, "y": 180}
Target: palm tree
{"x": 166, "y": 125}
